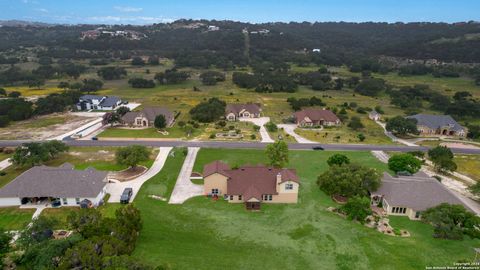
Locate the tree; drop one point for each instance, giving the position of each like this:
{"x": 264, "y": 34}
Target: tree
{"x": 475, "y": 189}
{"x": 137, "y": 61}
{"x": 39, "y": 231}
{"x": 277, "y": 154}
{"x": 153, "y": 61}
{"x": 91, "y": 85}
{"x": 212, "y": 77}
{"x": 160, "y": 121}
{"x": 357, "y": 208}
{"x": 349, "y": 180}
{"x": 271, "y": 127}
{"x": 5, "y": 239}
{"x": 141, "y": 83}
{"x": 3, "y": 92}
{"x": 132, "y": 155}
{"x": 402, "y": 126}
{"x": 89, "y": 223}
{"x": 63, "y": 85}
{"x": 30, "y": 154}
{"x": 14, "y": 94}
{"x": 338, "y": 159}
{"x": 370, "y": 87}
{"x": 111, "y": 118}
{"x": 404, "y": 163}
{"x": 112, "y": 73}
{"x": 4, "y": 120}
{"x": 355, "y": 123}
{"x": 122, "y": 110}
{"x": 452, "y": 221}
{"x": 208, "y": 111}
{"x": 171, "y": 76}
{"x": 442, "y": 158}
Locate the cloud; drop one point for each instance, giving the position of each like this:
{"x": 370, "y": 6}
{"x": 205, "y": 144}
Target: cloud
{"x": 29, "y": 1}
{"x": 128, "y": 19}
{"x": 43, "y": 10}
{"x": 127, "y": 9}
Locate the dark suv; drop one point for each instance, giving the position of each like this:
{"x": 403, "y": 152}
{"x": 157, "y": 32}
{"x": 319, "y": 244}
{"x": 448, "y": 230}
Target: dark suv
{"x": 126, "y": 195}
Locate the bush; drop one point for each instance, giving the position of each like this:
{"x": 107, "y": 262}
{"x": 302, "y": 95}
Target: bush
{"x": 141, "y": 83}
{"x": 404, "y": 163}
{"x": 208, "y": 111}
{"x": 271, "y": 127}
{"x": 253, "y": 137}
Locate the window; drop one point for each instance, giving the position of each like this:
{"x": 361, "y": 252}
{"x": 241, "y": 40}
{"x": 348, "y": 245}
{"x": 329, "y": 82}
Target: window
{"x": 239, "y": 197}
{"x": 64, "y": 201}
{"x": 267, "y": 197}
{"x": 418, "y": 214}
{"x": 231, "y": 197}
{"x": 288, "y": 186}
{"x": 77, "y": 200}
{"x": 215, "y": 191}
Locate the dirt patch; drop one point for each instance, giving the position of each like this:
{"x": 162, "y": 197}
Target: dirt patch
{"x": 43, "y": 127}
{"x": 128, "y": 174}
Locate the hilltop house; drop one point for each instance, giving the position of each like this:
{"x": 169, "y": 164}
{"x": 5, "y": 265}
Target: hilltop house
{"x": 93, "y": 102}
{"x": 251, "y": 185}
{"x": 42, "y": 185}
{"x": 146, "y": 117}
{"x": 312, "y": 117}
{"x": 249, "y": 110}
{"x": 374, "y": 115}
{"x": 411, "y": 195}
{"x": 429, "y": 124}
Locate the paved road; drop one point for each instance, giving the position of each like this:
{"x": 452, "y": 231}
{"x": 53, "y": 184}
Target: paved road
{"x": 116, "y": 189}
{"x": 249, "y": 145}
{"x": 184, "y": 188}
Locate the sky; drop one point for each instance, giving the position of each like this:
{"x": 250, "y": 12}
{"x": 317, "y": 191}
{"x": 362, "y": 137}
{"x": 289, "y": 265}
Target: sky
{"x": 255, "y": 11}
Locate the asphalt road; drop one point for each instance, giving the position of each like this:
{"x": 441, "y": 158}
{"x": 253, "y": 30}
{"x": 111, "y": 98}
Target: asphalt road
{"x": 247, "y": 145}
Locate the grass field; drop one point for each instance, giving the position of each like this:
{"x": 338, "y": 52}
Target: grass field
{"x": 12, "y": 218}
{"x": 468, "y": 165}
{"x": 203, "y": 234}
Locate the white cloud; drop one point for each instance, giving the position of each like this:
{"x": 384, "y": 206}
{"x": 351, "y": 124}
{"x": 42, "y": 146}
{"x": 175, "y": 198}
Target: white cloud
{"x": 129, "y": 19}
{"x": 127, "y": 9}
{"x": 44, "y": 10}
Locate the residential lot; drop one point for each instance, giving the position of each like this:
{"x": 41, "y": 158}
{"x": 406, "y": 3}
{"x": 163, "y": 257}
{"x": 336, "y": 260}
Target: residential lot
{"x": 305, "y": 235}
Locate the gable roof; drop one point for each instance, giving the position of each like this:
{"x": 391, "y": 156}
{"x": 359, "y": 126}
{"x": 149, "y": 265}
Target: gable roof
{"x": 316, "y": 115}
{"x": 61, "y": 182}
{"x": 110, "y": 101}
{"x": 436, "y": 121}
{"x": 237, "y": 108}
{"x": 418, "y": 192}
{"x": 215, "y": 167}
{"x": 150, "y": 113}
{"x": 253, "y": 181}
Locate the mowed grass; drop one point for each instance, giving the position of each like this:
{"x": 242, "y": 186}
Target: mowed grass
{"x": 13, "y": 218}
{"x": 203, "y": 234}
{"x": 468, "y": 165}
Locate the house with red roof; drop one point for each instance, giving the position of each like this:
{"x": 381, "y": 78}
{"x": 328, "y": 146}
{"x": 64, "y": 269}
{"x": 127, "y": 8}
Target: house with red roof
{"x": 313, "y": 117}
{"x": 251, "y": 185}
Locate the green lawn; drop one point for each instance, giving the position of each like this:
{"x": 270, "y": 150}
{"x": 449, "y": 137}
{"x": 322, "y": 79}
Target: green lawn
{"x": 173, "y": 132}
{"x": 4, "y": 156}
{"x": 13, "y": 218}
{"x": 468, "y": 165}
{"x": 203, "y": 234}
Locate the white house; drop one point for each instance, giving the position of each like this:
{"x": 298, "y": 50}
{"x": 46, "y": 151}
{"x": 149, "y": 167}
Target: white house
{"x": 42, "y": 185}
{"x": 93, "y": 102}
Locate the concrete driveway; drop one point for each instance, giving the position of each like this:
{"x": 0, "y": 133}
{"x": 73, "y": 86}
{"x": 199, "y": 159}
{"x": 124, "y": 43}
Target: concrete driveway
{"x": 290, "y": 130}
{"x": 5, "y": 164}
{"x": 184, "y": 188}
{"x": 116, "y": 189}
{"x": 261, "y": 121}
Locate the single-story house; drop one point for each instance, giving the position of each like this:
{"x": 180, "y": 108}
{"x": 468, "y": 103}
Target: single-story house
{"x": 374, "y": 115}
{"x": 42, "y": 184}
{"x": 146, "y": 117}
{"x": 411, "y": 195}
{"x": 429, "y": 124}
{"x": 312, "y": 117}
{"x": 249, "y": 110}
{"x": 93, "y": 102}
{"x": 251, "y": 185}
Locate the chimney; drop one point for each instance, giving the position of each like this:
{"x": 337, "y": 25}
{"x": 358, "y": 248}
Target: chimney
{"x": 279, "y": 178}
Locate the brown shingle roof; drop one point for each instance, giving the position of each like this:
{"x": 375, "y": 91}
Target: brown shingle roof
{"x": 62, "y": 182}
{"x": 237, "y": 108}
{"x": 316, "y": 115}
{"x": 215, "y": 167}
{"x": 253, "y": 181}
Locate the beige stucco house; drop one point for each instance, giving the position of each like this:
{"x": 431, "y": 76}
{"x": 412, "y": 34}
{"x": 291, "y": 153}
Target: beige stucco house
{"x": 235, "y": 111}
{"x": 312, "y": 117}
{"x": 444, "y": 125}
{"x": 411, "y": 195}
{"x": 146, "y": 117}
{"x": 251, "y": 185}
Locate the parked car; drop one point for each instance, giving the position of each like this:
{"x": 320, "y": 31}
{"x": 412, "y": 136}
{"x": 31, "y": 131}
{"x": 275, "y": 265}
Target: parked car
{"x": 318, "y": 147}
{"x": 94, "y": 139}
{"x": 56, "y": 203}
{"x": 126, "y": 195}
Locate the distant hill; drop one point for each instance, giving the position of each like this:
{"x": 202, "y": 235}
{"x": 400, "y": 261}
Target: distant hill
{"x": 19, "y": 23}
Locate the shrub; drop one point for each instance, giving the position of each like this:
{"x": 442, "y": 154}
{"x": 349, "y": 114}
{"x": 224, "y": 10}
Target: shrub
{"x": 271, "y": 127}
